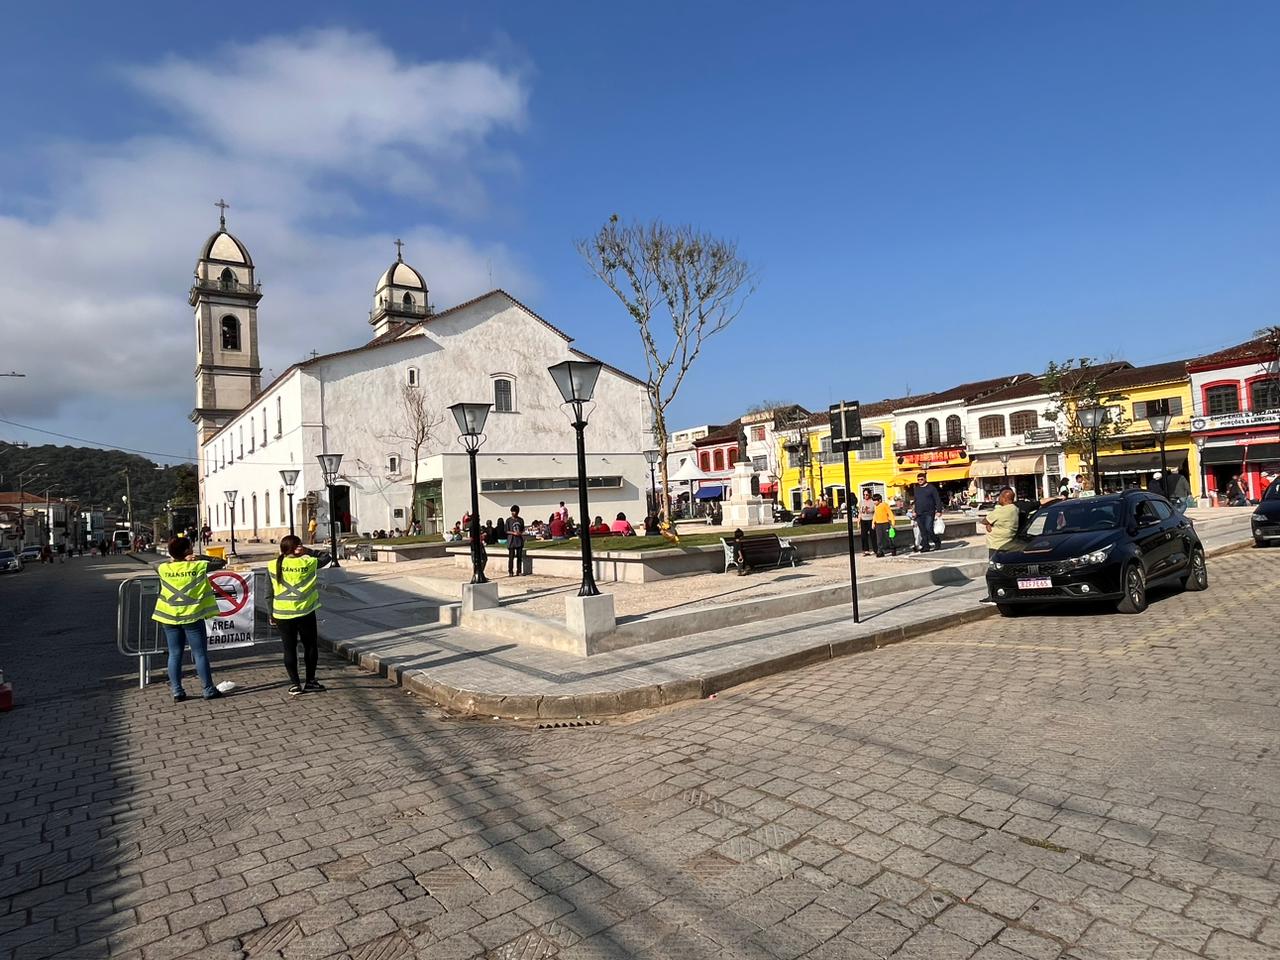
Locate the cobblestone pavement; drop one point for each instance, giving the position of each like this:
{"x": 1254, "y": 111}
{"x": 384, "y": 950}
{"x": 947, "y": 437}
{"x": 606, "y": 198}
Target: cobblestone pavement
{"x": 1080, "y": 786}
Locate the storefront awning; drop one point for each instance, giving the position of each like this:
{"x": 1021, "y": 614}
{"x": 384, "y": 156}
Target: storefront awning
{"x": 1237, "y": 453}
{"x": 768, "y": 488}
{"x": 1131, "y": 463}
{"x": 940, "y": 475}
{"x": 1024, "y": 466}
{"x": 709, "y": 493}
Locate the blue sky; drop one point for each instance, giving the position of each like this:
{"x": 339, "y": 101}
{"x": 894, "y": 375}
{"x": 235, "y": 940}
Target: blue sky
{"x": 932, "y": 192}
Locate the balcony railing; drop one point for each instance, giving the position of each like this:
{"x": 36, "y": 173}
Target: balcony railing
{"x": 953, "y": 440}
{"x": 400, "y": 309}
{"x": 227, "y": 286}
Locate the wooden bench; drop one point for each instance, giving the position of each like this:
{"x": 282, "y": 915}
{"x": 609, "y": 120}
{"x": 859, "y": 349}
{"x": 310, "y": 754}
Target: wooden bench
{"x": 769, "y": 550}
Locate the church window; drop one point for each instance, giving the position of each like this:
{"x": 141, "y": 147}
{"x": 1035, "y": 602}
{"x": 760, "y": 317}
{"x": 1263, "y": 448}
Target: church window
{"x": 503, "y": 396}
{"x": 253, "y": 432}
{"x": 279, "y": 419}
{"x": 266, "y": 507}
{"x": 408, "y": 301}
{"x": 264, "y": 426}
{"x": 242, "y": 441}
{"x": 230, "y": 333}
{"x": 283, "y": 517}
{"x": 393, "y": 464}
{"x": 242, "y": 509}
{"x": 228, "y": 279}
{"x": 413, "y": 376}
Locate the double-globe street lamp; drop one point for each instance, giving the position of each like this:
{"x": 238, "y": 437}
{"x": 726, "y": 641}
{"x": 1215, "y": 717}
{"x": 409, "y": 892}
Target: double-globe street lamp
{"x": 289, "y": 478}
{"x": 330, "y": 464}
{"x": 471, "y": 418}
{"x": 1092, "y": 418}
{"x": 576, "y": 380}
{"x": 231, "y": 502}
{"x": 652, "y": 457}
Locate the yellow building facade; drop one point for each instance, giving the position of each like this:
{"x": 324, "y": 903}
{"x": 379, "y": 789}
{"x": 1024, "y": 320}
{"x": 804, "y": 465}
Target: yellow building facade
{"x": 1131, "y": 456}
{"x": 810, "y": 468}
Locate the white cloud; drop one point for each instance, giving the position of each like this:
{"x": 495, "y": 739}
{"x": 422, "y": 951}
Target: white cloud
{"x": 290, "y": 130}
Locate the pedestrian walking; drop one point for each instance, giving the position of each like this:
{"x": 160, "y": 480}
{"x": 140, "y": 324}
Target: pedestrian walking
{"x": 927, "y": 505}
{"x": 311, "y": 530}
{"x": 866, "y": 522}
{"x": 295, "y": 598}
{"x": 515, "y": 544}
{"x": 883, "y": 519}
{"x": 185, "y": 602}
{"x": 1001, "y": 522}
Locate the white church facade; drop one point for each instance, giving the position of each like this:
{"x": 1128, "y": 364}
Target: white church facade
{"x": 490, "y": 349}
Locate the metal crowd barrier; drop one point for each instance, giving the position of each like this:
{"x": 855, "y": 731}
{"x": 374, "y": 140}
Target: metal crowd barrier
{"x": 137, "y": 635}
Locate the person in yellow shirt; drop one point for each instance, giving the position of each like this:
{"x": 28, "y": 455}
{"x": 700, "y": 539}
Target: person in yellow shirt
{"x": 185, "y": 601}
{"x": 1001, "y": 522}
{"x": 311, "y": 530}
{"x": 882, "y": 518}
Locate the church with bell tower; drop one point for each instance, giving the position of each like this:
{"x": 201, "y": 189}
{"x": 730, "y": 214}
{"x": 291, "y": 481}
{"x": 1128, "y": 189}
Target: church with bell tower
{"x": 224, "y": 295}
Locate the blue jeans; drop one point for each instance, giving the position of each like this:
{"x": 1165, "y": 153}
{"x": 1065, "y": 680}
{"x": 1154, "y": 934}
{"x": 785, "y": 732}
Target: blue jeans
{"x": 924, "y": 519}
{"x": 192, "y": 635}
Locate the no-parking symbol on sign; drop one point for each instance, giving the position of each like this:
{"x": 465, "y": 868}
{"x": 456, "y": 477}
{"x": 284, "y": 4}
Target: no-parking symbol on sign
{"x": 233, "y": 626}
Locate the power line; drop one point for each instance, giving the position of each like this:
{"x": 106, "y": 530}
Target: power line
{"x": 98, "y": 443}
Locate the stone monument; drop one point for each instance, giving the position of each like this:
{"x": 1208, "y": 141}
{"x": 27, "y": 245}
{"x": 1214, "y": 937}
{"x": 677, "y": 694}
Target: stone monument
{"x": 743, "y": 508}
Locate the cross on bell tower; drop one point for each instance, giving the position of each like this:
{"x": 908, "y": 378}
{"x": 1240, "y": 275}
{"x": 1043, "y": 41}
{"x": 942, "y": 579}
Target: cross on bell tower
{"x": 222, "y": 213}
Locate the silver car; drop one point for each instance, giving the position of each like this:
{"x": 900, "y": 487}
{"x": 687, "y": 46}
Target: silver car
{"x": 10, "y": 562}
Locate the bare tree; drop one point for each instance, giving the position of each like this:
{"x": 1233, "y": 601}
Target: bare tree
{"x": 1076, "y": 383}
{"x": 693, "y": 281}
{"x": 416, "y": 428}
{"x": 1271, "y": 366}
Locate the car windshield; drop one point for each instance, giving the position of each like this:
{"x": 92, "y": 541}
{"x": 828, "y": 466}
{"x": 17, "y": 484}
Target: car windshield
{"x": 1074, "y": 516}
{"x": 6, "y": 554}
{"x": 1272, "y": 492}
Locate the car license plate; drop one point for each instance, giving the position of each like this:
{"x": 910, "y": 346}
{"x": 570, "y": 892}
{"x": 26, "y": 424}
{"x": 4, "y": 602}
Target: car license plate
{"x": 1035, "y": 583}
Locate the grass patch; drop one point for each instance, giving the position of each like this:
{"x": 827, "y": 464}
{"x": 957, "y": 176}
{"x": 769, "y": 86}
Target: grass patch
{"x": 397, "y": 541}
{"x": 632, "y": 544}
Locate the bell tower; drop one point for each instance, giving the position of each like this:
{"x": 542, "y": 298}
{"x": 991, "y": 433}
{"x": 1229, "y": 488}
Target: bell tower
{"x": 225, "y": 296}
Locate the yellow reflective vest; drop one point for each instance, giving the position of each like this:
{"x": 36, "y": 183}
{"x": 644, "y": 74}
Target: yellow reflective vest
{"x": 295, "y": 591}
{"x": 185, "y": 593}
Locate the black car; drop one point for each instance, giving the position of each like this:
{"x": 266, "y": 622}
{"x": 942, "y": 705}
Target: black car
{"x": 1266, "y": 516}
{"x": 1111, "y": 548}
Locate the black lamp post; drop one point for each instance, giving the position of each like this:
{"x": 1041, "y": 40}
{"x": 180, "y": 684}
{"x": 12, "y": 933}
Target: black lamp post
{"x": 330, "y": 464}
{"x": 471, "y": 418}
{"x": 652, "y": 457}
{"x": 1004, "y": 462}
{"x": 576, "y": 380}
{"x": 1092, "y": 418}
{"x": 231, "y": 502}
{"x": 1160, "y": 427}
{"x": 290, "y": 477}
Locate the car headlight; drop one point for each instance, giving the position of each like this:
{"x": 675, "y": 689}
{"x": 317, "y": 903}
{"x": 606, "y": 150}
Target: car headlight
{"x": 1089, "y": 559}
{"x": 993, "y": 565}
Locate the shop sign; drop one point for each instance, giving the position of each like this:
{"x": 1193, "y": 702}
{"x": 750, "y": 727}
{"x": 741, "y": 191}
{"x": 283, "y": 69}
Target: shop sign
{"x": 1235, "y": 420}
{"x": 932, "y": 458}
{"x": 1040, "y": 435}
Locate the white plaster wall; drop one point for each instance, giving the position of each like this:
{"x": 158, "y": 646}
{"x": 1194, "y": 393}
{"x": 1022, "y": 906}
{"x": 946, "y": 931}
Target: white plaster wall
{"x": 1010, "y": 441}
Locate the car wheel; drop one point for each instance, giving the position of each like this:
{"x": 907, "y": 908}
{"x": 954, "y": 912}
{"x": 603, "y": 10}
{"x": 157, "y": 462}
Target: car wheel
{"x": 1197, "y": 577}
{"x": 1135, "y": 590}
{"x": 1008, "y": 609}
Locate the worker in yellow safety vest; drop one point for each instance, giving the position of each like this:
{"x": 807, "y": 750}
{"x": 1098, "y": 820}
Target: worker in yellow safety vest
{"x": 295, "y": 597}
{"x": 185, "y": 602}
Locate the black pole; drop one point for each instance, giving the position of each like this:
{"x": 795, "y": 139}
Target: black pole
{"x": 477, "y": 561}
{"x": 291, "y": 533}
{"x": 233, "y": 529}
{"x": 1006, "y": 474}
{"x": 653, "y": 491}
{"x": 1094, "y": 436}
{"x": 333, "y": 527}
{"x": 848, "y": 516}
{"x": 588, "y": 588}
{"x": 1164, "y": 468}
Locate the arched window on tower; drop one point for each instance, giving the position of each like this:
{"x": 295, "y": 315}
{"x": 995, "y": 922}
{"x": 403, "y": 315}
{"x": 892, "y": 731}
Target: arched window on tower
{"x": 227, "y": 279}
{"x": 230, "y": 333}
{"x": 407, "y": 300}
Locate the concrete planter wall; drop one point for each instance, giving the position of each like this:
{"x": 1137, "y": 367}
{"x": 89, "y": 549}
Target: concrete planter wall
{"x": 398, "y": 553}
{"x": 633, "y": 566}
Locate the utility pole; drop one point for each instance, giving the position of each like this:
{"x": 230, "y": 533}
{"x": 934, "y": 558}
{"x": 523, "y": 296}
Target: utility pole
{"x": 128, "y": 496}
{"x": 22, "y": 508}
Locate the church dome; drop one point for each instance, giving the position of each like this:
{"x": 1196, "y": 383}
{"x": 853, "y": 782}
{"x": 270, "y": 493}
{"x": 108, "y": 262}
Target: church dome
{"x": 224, "y": 247}
{"x": 400, "y": 274}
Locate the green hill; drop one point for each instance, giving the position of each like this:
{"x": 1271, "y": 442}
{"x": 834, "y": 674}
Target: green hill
{"x": 97, "y": 478}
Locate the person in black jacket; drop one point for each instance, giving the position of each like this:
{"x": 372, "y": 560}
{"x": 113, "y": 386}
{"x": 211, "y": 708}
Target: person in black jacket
{"x": 927, "y": 505}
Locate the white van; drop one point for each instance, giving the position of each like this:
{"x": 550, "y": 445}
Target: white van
{"x": 121, "y": 540}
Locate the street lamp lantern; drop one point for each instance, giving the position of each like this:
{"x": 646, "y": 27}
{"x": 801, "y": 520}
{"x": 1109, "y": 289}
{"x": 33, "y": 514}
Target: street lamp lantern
{"x": 1092, "y": 418}
{"x": 471, "y": 418}
{"x": 330, "y": 464}
{"x": 231, "y": 502}
{"x": 652, "y": 457}
{"x": 1004, "y": 461}
{"x": 1159, "y": 423}
{"x": 576, "y": 381}
{"x": 289, "y": 478}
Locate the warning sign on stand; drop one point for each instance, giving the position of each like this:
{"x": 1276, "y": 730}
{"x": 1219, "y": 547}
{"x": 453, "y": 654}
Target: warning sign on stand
{"x": 233, "y": 626}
